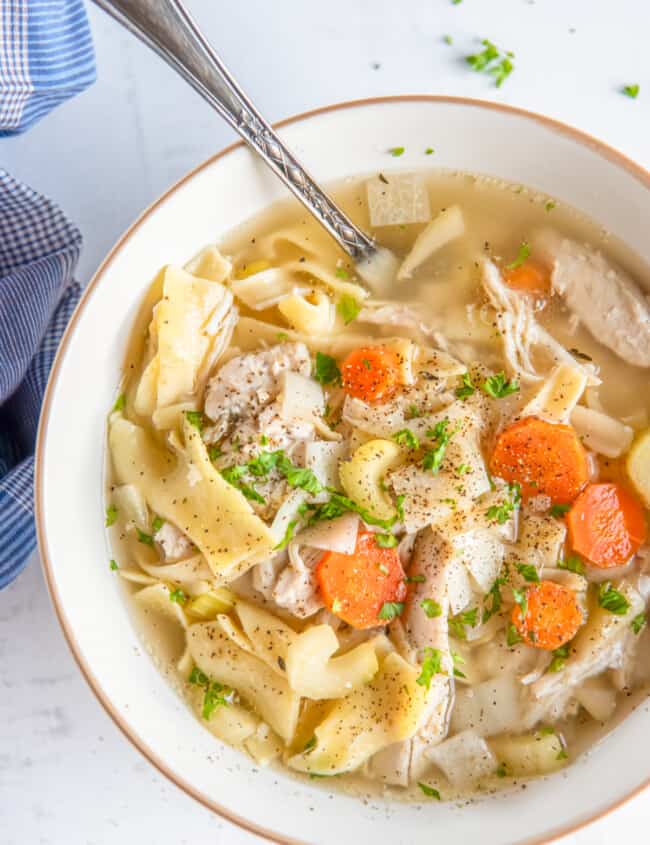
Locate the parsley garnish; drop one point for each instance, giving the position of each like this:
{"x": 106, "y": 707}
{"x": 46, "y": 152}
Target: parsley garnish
{"x": 396, "y": 152}
{"x": 414, "y": 412}
{"x": 559, "y": 658}
{"x": 467, "y": 387}
{"x": 337, "y": 606}
{"x": 310, "y": 744}
{"x": 549, "y": 205}
{"x": 386, "y": 541}
{"x": 491, "y": 60}
{"x": 431, "y": 608}
{"x": 233, "y": 476}
{"x": 111, "y": 516}
{"x": 429, "y": 791}
{"x": 282, "y": 336}
{"x": 143, "y": 537}
{"x": 342, "y": 273}
{"x": 559, "y": 510}
{"x": 262, "y": 465}
{"x": 496, "y": 599}
{"x": 348, "y": 308}
{"x": 429, "y": 150}
{"x": 521, "y": 599}
{"x": 448, "y": 39}
{"x": 638, "y": 623}
{"x": 177, "y": 596}
{"x": 339, "y": 504}
{"x": 115, "y": 567}
{"x": 120, "y": 402}
{"x": 326, "y": 370}
{"x": 215, "y": 694}
{"x": 498, "y": 387}
{"x": 631, "y": 91}
{"x": 502, "y": 513}
{"x": 522, "y": 256}
{"x": 458, "y": 622}
{"x": 512, "y": 635}
{"x": 405, "y": 437}
{"x": 214, "y": 452}
{"x": 156, "y": 525}
{"x": 391, "y": 610}
{"x": 433, "y": 457}
{"x": 572, "y": 564}
{"x": 288, "y": 535}
{"x": 264, "y": 440}
{"x": 458, "y": 661}
{"x": 562, "y": 754}
{"x": 195, "y": 418}
{"x": 462, "y": 469}
{"x": 528, "y": 572}
{"x": 611, "y": 600}
{"x": 431, "y": 665}
{"x": 415, "y": 579}
{"x": 501, "y": 771}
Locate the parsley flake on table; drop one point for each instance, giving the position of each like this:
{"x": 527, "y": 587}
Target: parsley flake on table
{"x": 493, "y": 61}
{"x": 396, "y": 152}
{"x": 631, "y": 91}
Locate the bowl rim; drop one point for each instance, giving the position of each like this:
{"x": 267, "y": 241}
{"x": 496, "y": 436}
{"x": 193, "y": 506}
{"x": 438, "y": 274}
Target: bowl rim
{"x": 577, "y": 135}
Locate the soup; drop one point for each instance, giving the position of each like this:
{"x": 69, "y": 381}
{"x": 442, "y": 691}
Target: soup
{"x": 394, "y": 538}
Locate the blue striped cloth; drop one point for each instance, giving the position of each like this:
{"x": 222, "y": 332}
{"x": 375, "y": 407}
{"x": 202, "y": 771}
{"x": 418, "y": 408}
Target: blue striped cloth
{"x": 46, "y": 56}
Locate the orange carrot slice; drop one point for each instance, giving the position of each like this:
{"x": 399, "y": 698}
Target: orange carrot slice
{"x": 528, "y": 277}
{"x": 356, "y": 587}
{"x": 552, "y": 617}
{"x": 543, "y": 458}
{"x": 372, "y": 373}
{"x": 606, "y": 525}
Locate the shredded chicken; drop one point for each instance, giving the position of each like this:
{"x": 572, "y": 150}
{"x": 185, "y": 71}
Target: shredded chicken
{"x": 174, "y": 544}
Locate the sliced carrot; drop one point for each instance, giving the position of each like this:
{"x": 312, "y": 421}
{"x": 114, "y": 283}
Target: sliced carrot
{"x": 543, "y": 458}
{"x": 372, "y": 373}
{"x": 552, "y": 618}
{"x": 355, "y": 587}
{"x": 606, "y": 524}
{"x": 529, "y": 277}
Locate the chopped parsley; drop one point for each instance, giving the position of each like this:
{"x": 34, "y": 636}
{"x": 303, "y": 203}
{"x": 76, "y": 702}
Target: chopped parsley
{"x": 521, "y": 599}
{"x": 467, "y": 387}
{"x": 429, "y": 791}
{"x": 264, "y": 440}
{"x": 233, "y": 476}
{"x": 559, "y": 510}
{"x": 498, "y": 387}
{"x": 458, "y": 661}
{"x": 282, "y": 336}
{"x": 337, "y": 607}
{"x": 310, "y": 744}
{"x": 415, "y": 579}
{"x": 638, "y": 623}
{"x": 559, "y": 658}
{"x": 458, "y": 622}
{"x": 405, "y": 437}
{"x": 386, "y": 541}
{"x": 431, "y": 665}
{"x": 391, "y": 610}
{"x": 143, "y": 537}
{"x": 156, "y": 525}
{"x": 348, "y": 308}
{"x": 463, "y": 469}
{"x": 414, "y": 412}
{"x": 501, "y": 771}
{"x": 495, "y": 598}
{"x": 502, "y": 513}
{"x": 396, "y": 152}
{"x": 214, "y": 452}
{"x": 612, "y": 600}
{"x": 528, "y": 572}
{"x": 448, "y": 39}
{"x": 177, "y": 596}
{"x": 429, "y": 150}
{"x": 631, "y": 91}
{"x": 111, "y": 516}
{"x": 549, "y": 205}
{"x": 342, "y": 273}
{"x": 562, "y": 754}
{"x": 288, "y": 535}
{"x": 431, "y": 608}
{"x": 120, "y": 402}
{"x": 433, "y": 458}
{"x": 115, "y": 567}
{"x": 338, "y": 504}
{"x": 262, "y": 465}
{"x": 195, "y": 418}
{"x": 573, "y": 564}
{"x": 214, "y": 694}
{"x": 493, "y": 61}
{"x": 512, "y": 635}
{"x": 522, "y": 256}
{"x": 326, "y": 370}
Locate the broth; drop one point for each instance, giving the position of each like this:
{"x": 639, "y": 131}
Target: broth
{"x": 453, "y": 337}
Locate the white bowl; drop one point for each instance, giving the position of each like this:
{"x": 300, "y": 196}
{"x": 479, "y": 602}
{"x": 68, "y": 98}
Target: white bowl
{"x": 334, "y": 142}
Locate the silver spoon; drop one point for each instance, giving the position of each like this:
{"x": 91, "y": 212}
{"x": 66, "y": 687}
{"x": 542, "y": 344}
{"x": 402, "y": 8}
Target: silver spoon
{"x": 167, "y": 27}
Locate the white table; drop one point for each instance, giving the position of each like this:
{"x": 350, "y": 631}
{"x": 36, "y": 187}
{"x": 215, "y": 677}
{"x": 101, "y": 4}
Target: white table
{"x": 66, "y": 773}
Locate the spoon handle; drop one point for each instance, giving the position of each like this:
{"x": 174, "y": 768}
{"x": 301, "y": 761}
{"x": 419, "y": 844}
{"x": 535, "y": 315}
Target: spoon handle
{"x": 166, "y": 27}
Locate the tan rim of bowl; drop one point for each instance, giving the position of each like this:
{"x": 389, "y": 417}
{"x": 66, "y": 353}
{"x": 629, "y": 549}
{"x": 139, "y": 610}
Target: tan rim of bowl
{"x": 583, "y": 138}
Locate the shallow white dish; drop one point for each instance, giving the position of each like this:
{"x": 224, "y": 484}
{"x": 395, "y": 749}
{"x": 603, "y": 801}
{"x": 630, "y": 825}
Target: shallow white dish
{"x": 334, "y": 143}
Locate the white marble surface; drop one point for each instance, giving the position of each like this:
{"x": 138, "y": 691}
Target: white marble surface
{"x": 66, "y": 773}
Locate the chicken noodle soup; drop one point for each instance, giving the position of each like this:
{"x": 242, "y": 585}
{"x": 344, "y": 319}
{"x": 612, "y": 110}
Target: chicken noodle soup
{"x": 398, "y": 537}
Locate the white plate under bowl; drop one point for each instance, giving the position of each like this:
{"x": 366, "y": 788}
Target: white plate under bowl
{"x": 334, "y": 143}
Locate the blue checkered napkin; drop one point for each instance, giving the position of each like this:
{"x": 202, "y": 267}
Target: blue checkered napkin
{"x": 38, "y": 252}
{"x": 46, "y": 56}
